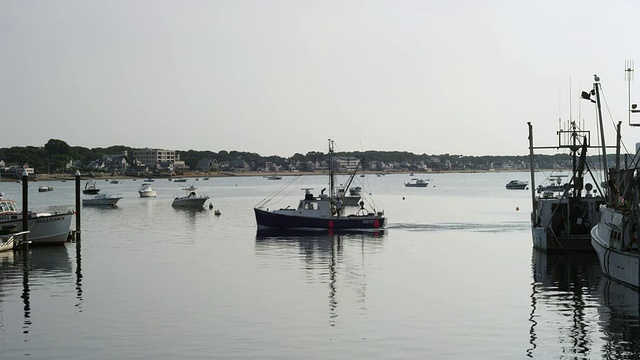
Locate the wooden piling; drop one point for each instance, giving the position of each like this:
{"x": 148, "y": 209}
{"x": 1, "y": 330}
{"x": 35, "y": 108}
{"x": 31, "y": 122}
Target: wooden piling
{"x": 25, "y": 209}
{"x": 78, "y": 232}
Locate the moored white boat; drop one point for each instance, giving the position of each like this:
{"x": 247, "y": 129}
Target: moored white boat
{"x": 45, "y": 188}
{"x": 191, "y": 199}
{"x": 90, "y": 188}
{"x": 517, "y": 185}
{"x": 417, "y": 183}
{"x": 318, "y": 212}
{"x": 102, "y": 199}
{"x": 43, "y": 227}
{"x": 146, "y": 190}
{"x": 353, "y": 199}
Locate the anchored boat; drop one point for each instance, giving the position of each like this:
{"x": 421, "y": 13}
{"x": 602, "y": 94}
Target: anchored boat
{"x": 191, "y": 199}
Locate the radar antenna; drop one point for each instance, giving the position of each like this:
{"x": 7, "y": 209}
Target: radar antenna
{"x": 628, "y": 76}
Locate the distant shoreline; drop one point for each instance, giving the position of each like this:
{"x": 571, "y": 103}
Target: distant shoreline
{"x": 194, "y": 175}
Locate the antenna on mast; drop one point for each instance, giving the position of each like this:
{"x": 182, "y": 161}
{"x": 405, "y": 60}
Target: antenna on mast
{"x": 570, "y": 100}
{"x": 628, "y": 76}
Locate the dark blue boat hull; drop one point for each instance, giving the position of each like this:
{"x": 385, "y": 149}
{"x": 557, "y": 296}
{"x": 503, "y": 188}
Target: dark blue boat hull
{"x": 272, "y": 220}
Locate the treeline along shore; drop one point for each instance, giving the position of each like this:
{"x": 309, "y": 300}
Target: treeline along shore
{"x": 58, "y": 160}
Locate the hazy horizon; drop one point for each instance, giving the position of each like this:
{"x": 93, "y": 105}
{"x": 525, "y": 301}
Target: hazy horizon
{"x": 277, "y": 77}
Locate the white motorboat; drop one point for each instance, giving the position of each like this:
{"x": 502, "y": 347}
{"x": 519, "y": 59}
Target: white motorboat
{"x": 554, "y": 183}
{"x": 43, "y": 227}
{"x": 102, "y": 199}
{"x": 146, "y": 190}
{"x": 45, "y": 188}
{"x": 354, "y": 197}
{"x": 517, "y": 185}
{"x": 191, "y": 199}
{"x": 90, "y": 188}
{"x": 274, "y": 177}
{"x": 417, "y": 183}
{"x": 319, "y": 212}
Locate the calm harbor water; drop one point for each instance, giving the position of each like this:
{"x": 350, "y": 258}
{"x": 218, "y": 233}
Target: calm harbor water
{"x": 453, "y": 276}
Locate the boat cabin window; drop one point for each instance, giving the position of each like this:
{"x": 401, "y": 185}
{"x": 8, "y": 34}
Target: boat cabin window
{"x": 311, "y": 205}
{"x": 7, "y": 207}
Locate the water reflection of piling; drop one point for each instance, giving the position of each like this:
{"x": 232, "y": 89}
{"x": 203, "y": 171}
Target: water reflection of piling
{"x": 79, "y": 273}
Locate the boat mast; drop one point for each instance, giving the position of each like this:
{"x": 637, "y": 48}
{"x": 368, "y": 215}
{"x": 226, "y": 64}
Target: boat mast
{"x": 533, "y": 178}
{"x": 596, "y": 87}
{"x": 628, "y": 65}
{"x": 331, "y": 175}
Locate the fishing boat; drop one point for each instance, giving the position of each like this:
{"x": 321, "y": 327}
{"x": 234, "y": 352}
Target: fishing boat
{"x": 90, "y": 188}
{"x": 417, "y": 183}
{"x": 615, "y": 237}
{"x": 563, "y": 215}
{"x": 316, "y": 212}
{"x": 146, "y": 190}
{"x": 43, "y": 227}
{"x": 191, "y": 199}
{"x": 102, "y": 200}
{"x": 517, "y": 185}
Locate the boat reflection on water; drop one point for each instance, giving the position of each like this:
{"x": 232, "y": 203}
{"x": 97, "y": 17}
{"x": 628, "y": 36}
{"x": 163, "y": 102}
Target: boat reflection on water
{"x": 336, "y": 258}
{"x": 570, "y": 294}
{"x": 284, "y": 234}
{"x": 620, "y": 320}
{"x": 562, "y": 296}
{"x": 38, "y": 268}
{"x": 51, "y": 261}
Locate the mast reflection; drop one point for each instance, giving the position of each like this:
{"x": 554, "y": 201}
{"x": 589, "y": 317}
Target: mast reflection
{"x": 36, "y": 263}
{"x": 561, "y": 296}
{"x": 330, "y": 251}
{"x": 620, "y": 320}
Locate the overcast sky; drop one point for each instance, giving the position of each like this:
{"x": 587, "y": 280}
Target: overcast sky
{"x": 281, "y": 77}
